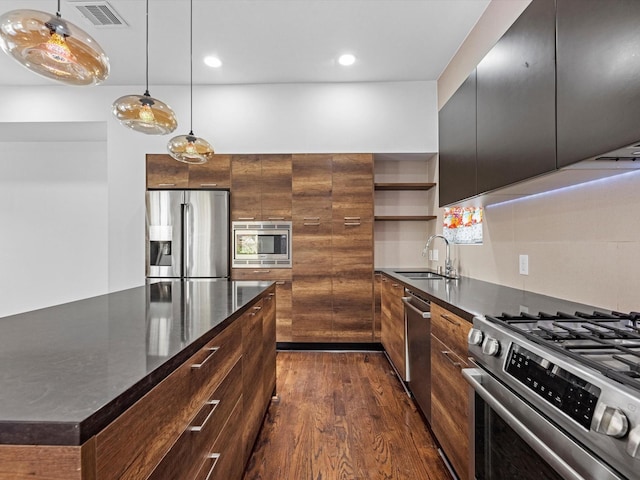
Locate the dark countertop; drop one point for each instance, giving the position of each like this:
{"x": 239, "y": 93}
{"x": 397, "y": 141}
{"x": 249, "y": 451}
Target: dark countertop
{"x": 67, "y": 371}
{"x": 467, "y": 297}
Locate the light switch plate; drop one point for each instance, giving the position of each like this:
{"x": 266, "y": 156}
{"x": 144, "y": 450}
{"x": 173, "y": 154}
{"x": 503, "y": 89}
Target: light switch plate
{"x": 524, "y": 264}
{"x": 435, "y": 255}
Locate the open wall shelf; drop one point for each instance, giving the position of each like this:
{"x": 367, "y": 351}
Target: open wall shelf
{"x": 404, "y": 186}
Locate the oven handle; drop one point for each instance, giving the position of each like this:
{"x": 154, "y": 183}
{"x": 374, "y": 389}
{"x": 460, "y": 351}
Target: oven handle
{"x": 473, "y": 377}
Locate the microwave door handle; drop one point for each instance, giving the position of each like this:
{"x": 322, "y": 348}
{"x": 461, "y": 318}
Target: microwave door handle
{"x": 474, "y": 377}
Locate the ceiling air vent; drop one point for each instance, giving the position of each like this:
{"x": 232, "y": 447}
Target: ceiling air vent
{"x": 100, "y": 14}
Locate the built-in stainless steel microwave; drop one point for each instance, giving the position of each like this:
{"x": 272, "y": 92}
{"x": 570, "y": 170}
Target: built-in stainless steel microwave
{"x": 261, "y": 244}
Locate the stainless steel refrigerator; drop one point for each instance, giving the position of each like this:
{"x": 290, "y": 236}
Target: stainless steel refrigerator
{"x": 187, "y": 234}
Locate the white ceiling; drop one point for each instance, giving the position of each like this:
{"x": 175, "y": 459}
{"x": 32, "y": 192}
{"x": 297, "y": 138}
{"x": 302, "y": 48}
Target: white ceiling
{"x": 270, "y": 41}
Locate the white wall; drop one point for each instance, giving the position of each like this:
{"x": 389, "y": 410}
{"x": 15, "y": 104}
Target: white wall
{"x": 53, "y": 217}
{"x": 349, "y": 117}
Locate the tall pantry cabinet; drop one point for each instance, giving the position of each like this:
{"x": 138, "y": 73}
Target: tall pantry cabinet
{"x": 332, "y": 290}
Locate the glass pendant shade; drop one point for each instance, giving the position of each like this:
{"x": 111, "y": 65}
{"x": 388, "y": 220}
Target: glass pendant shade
{"x": 145, "y": 114}
{"x": 190, "y": 149}
{"x": 52, "y": 47}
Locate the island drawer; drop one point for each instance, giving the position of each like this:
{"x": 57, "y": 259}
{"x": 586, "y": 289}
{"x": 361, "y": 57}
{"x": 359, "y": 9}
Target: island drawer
{"x": 135, "y": 443}
{"x": 224, "y": 462}
{"x": 198, "y": 439}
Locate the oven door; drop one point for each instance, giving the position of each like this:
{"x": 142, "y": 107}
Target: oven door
{"x": 510, "y": 439}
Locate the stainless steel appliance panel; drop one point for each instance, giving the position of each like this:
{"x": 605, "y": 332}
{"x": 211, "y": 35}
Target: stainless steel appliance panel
{"x": 418, "y": 324}
{"x": 164, "y": 233}
{"x": 206, "y": 227}
{"x": 187, "y": 234}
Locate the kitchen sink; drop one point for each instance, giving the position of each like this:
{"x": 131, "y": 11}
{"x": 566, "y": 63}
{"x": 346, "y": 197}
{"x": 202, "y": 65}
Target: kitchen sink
{"x": 421, "y": 275}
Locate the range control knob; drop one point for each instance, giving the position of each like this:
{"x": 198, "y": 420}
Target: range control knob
{"x": 475, "y": 337}
{"x": 610, "y": 421}
{"x": 633, "y": 445}
{"x": 491, "y": 346}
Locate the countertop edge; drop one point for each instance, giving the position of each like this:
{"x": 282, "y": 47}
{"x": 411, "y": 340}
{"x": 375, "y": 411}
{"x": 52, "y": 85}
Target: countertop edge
{"x": 74, "y": 434}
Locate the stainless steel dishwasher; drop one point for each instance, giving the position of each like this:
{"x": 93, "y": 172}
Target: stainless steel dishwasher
{"x": 417, "y": 312}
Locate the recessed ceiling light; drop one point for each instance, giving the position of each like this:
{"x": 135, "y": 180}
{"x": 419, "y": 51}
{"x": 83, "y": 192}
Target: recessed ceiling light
{"x": 346, "y": 59}
{"x": 213, "y": 62}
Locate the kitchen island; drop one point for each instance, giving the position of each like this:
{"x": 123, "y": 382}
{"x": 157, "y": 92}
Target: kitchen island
{"x": 85, "y": 386}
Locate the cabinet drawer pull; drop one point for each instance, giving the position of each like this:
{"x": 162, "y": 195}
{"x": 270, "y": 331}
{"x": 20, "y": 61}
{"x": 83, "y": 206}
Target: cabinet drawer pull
{"x": 246, "y": 218}
{"x": 311, "y": 224}
{"x": 351, "y": 218}
{"x": 453, "y": 362}
{"x": 198, "y": 428}
{"x": 213, "y": 350}
{"x": 208, "y": 184}
{"x": 311, "y": 218}
{"x": 450, "y": 320}
{"x": 280, "y": 282}
{"x": 275, "y": 218}
{"x": 395, "y": 285}
{"x": 257, "y": 309}
{"x": 261, "y": 271}
{"x": 351, "y": 224}
{"x": 166, "y": 184}
{"x": 213, "y": 457}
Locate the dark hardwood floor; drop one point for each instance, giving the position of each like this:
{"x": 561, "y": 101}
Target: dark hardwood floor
{"x": 342, "y": 416}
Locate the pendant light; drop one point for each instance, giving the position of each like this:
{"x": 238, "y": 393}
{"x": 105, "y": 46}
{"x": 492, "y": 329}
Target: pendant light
{"x": 52, "y": 47}
{"x": 189, "y": 148}
{"x": 143, "y": 113}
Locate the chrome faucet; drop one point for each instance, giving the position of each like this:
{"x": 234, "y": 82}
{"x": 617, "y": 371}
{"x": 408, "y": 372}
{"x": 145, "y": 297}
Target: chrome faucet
{"x": 448, "y": 267}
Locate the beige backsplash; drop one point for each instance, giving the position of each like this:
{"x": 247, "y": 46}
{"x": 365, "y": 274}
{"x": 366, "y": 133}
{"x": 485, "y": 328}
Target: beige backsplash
{"x": 583, "y": 244}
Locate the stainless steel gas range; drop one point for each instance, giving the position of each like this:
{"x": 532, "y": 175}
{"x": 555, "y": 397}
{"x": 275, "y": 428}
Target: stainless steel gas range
{"x": 555, "y": 396}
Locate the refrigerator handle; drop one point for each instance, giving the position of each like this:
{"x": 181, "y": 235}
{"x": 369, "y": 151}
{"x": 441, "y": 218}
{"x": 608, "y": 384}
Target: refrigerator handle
{"x": 185, "y": 238}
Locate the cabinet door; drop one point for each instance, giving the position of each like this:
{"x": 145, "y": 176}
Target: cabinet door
{"x": 352, "y": 281}
{"x": 598, "y": 70}
{"x": 216, "y": 173}
{"x": 252, "y": 376}
{"x": 392, "y": 328}
{"x": 165, "y": 172}
{"x": 276, "y": 187}
{"x": 352, "y": 247}
{"x": 450, "y": 405}
{"x": 269, "y": 347}
{"x": 283, "y": 310}
{"x": 311, "y": 249}
{"x": 516, "y": 101}
{"x": 246, "y": 187}
{"x": 457, "y": 144}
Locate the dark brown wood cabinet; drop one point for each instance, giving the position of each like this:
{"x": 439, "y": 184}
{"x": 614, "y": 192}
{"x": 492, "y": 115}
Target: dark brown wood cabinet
{"x": 312, "y": 301}
{"x": 457, "y": 144}
{"x": 598, "y": 67}
{"x": 246, "y": 189}
{"x": 449, "y": 390}
{"x": 261, "y": 187}
{"x": 516, "y": 106}
{"x": 332, "y": 294}
{"x": 393, "y": 334}
{"x": 164, "y": 172}
{"x": 282, "y": 278}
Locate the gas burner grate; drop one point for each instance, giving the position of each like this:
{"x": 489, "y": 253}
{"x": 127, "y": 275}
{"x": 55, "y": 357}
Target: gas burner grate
{"x": 608, "y": 342}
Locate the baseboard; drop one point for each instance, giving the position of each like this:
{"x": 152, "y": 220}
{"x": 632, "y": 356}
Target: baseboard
{"x": 331, "y": 346}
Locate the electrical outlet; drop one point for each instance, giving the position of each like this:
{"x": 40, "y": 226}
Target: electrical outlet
{"x": 524, "y": 264}
{"x": 435, "y": 255}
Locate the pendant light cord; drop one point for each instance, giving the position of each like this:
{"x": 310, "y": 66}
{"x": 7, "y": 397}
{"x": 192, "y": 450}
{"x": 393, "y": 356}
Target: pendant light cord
{"x": 191, "y": 63}
{"x": 146, "y": 92}
{"x": 58, "y": 14}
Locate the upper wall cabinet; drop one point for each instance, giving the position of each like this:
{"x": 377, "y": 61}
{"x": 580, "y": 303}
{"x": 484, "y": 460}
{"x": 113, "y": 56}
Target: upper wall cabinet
{"x": 598, "y": 72}
{"x": 164, "y": 172}
{"x": 457, "y": 140}
{"x": 516, "y": 101}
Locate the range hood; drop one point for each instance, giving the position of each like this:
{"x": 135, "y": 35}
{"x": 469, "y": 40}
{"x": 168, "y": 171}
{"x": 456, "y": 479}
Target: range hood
{"x": 616, "y": 162}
